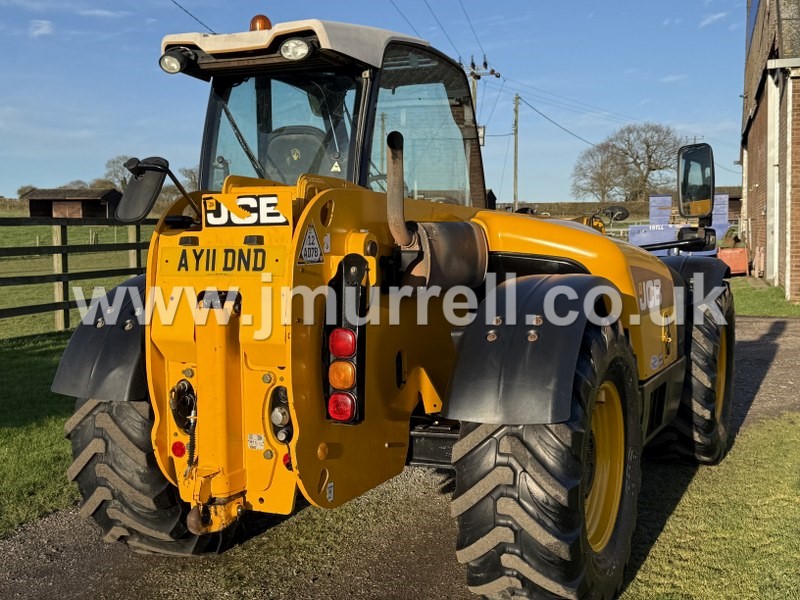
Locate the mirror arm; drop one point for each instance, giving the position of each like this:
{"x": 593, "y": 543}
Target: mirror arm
{"x": 185, "y": 194}
{"x": 698, "y": 244}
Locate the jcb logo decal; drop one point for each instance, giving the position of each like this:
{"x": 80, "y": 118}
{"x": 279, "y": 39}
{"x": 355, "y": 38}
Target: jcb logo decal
{"x": 263, "y": 211}
{"x": 649, "y": 294}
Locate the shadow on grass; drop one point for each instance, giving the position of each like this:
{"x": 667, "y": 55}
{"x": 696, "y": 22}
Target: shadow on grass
{"x": 664, "y": 483}
{"x": 28, "y": 365}
{"x": 663, "y": 486}
{"x": 753, "y": 360}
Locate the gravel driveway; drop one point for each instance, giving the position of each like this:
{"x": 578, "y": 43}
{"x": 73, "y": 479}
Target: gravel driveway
{"x": 396, "y": 542}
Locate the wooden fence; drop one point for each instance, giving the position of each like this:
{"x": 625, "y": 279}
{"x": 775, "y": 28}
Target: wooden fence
{"x": 61, "y": 276}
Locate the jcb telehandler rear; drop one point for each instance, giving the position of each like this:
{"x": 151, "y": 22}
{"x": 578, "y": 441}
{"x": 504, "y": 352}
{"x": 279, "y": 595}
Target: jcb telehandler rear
{"x": 341, "y": 300}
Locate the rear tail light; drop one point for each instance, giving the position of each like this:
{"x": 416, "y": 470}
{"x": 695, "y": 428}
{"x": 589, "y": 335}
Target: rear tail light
{"x": 342, "y": 407}
{"x": 178, "y": 450}
{"x": 342, "y": 375}
{"x": 342, "y": 342}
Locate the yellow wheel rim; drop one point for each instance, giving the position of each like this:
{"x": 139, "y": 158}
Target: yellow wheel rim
{"x": 607, "y": 464}
{"x": 722, "y": 373}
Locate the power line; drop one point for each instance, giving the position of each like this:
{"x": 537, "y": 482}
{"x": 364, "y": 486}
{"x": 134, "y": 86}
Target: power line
{"x": 505, "y": 164}
{"x": 727, "y": 169}
{"x": 405, "y": 18}
{"x": 195, "y": 18}
{"x": 596, "y": 111}
{"x": 444, "y": 31}
{"x": 557, "y": 124}
{"x": 472, "y": 27}
{"x": 509, "y": 89}
{"x": 609, "y": 115}
{"x": 572, "y": 100}
{"x": 575, "y": 135}
{"x": 496, "y": 102}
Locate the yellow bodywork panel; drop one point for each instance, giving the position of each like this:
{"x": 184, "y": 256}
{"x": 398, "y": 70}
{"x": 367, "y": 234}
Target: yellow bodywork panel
{"x": 237, "y": 353}
{"x": 648, "y": 302}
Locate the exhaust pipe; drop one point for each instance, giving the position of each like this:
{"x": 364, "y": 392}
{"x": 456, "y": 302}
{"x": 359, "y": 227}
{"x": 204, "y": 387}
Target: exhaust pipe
{"x": 445, "y": 254}
{"x": 396, "y": 193}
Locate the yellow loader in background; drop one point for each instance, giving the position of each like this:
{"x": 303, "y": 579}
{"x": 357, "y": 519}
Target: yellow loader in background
{"x": 341, "y": 300}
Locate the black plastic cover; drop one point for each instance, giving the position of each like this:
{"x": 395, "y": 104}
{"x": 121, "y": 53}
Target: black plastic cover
{"x": 714, "y": 271}
{"x": 520, "y": 373}
{"x": 143, "y": 188}
{"x": 104, "y": 360}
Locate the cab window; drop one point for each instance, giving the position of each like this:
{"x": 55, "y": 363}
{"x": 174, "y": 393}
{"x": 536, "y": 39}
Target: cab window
{"x": 427, "y": 99}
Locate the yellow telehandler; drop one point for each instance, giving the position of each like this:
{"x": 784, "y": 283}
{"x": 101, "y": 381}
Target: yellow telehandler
{"x": 341, "y": 300}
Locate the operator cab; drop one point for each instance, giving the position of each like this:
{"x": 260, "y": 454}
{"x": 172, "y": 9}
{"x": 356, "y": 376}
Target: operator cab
{"x": 315, "y": 97}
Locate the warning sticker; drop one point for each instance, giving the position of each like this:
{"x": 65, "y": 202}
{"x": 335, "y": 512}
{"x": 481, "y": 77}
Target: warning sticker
{"x": 330, "y": 492}
{"x": 255, "y": 441}
{"x": 311, "y": 251}
{"x": 336, "y": 168}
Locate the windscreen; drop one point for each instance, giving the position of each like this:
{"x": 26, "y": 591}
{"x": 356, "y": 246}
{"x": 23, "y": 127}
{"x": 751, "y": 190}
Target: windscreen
{"x": 426, "y": 98}
{"x": 278, "y": 127}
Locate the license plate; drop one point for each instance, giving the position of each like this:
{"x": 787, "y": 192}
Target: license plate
{"x": 222, "y": 261}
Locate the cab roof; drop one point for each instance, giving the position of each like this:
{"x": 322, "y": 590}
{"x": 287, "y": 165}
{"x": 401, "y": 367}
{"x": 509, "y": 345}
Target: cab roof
{"x": 365, "y": 44}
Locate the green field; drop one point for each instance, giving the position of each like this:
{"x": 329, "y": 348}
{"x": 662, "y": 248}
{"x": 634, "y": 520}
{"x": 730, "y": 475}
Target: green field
{"x": 33, "y": 452}
{"x": 755, "y": 299}
{"x": 41, "y": 235}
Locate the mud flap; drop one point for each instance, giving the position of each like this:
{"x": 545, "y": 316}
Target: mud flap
{"x": 514, "y": 366}
{"x": 104, "y": 359}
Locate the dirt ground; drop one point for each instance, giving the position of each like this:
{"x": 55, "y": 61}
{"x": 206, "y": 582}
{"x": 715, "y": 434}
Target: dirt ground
{"x": 396, "y": 542}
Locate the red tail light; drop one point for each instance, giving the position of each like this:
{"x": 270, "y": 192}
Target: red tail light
{"x": 342, "y": 407}
{"x": 342, "y": 343}
{"x": 178, "y": 450}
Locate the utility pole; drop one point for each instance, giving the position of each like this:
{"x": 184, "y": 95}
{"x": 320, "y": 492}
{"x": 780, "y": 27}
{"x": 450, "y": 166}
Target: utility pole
{"x": 516, "y": 152}
{"x": 475, "y": 73}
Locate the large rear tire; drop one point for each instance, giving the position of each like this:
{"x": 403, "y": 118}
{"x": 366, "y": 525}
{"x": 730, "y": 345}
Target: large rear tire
{"x": 548, "y": 511}
{"x": 122, "y": 486}
{"x": 700, "y": 431}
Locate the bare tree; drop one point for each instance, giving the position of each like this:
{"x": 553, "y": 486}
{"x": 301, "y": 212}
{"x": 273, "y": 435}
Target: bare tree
{"x": 116, "y": 171}
{"x": 75, "y": 184}
{"x": 191, "y": 178}
{"x": 598, "y": 174}
{"x": 101, "y": 183}
{"x": 628, "y": 165}
{"x": 649, "y": 153}
{"x": 24, "y": 190}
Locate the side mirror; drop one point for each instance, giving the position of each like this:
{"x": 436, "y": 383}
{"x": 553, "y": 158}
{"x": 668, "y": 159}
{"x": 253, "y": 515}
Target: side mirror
{"x": 616, "y": 213}
{"x": 696, "y": 182}
{"x": 702, "y": 238}
{"x": 143, "y": 189}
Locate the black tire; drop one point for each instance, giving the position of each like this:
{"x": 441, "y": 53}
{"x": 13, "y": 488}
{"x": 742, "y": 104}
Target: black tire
{"x": 700, "y": 431}
{"x": 122, "y": 486}
{"x": 521, "y": 491}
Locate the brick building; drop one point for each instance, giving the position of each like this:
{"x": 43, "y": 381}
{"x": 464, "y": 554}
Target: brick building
{"x": 771, "y": 142}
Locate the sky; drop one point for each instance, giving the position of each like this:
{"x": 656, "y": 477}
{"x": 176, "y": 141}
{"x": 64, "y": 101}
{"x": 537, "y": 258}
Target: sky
{"x": 80, "y": 82}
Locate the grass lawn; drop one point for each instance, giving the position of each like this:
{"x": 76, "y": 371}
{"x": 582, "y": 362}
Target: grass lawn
{"x": 754, "y": 298}
{"x": 26, "y": 295}
{"x": 34, "y": 455}
{"x": 733, "y": 532}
